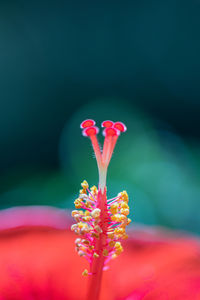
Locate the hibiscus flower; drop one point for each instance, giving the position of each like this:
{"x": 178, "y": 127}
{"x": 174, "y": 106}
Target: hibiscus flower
{"x": 37, "y": 258}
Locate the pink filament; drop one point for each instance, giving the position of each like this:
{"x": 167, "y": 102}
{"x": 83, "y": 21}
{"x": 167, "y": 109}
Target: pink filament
{"x": 97, "y": 150}
{"x": 108, "y": 148}
{"x": 97, "y": 264}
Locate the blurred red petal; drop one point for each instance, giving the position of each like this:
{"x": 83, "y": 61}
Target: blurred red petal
{"x": 159, "y": 265}
{"x": 39, "y": 262}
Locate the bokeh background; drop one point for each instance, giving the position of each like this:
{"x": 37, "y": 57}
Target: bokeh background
{"x": 133, "y": 61}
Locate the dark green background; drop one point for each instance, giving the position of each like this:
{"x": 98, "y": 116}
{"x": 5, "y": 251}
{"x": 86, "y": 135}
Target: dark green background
{"x": 135, "y": 61}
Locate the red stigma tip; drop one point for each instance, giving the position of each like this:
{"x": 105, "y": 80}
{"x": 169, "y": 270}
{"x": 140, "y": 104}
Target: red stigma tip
{"x": 120, "y": 126}
{"x": 89, "y": 131}
{"x": 107, "y": 124}
{"x": 111, "y": 132}
{"x": 87, "y": 123}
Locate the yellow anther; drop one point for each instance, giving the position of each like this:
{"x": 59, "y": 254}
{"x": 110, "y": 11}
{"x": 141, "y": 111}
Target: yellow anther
{"x": 125, "y": 211}
{"x": 111, "y": 244}
{"x": 118, "y": 248}
{"x": 74, "y": 227}
{"x": 85, "y": 272}
{"x": 77, "y": 217}
{"x": 82, "y": 248}
{"x": 124, "y": 236}
{"x": 113, "y": 218}
{"x": 105, "y": 252}
{"x": 117, "y": 245}
{"x": 118, "y": 251}
{"x": 124, "y": 205}
{"x": 123, "y": 225}
{"x": 129, "y": 221}
{"x": 74, "y": 212}
{"x": 111, "y": 235}
{"x": 87, "y": 213}
{"x": 119, "y": 230}
{"x": 81, "y": 225}
{"x": 124, "y": 222}
{"x": 87, "y": 204}
{"x": 82, "y": 191}
{"x": 94, "y": 189}
{"x": 78, "y": 203}
{"x": 77, "y": 200}
{"x": 91, "y": 247}
{"x": 87, "y": 219}
{"x": 95, "y": 235}
{"x": 95, "y": 255}
{"x": 85, "y": 230}
{"x": 123, "y": 196}
{"x": 123, "y": 218}
{"x": 85, "y": 242}
{"x": 85, "y": 185}
{"x": 117, "y": 218}
{"x": 114, "y": 208}
{"x": 81, "y": 253}
{"x": 83, "y": 196}
{"x": 96, "y": 213}
{"x": 77, "y": 241}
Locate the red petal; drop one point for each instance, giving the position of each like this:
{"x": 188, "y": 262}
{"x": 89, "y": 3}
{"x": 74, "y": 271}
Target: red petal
{"x": 40, "y": 263}
{"x": 156, "y": 265}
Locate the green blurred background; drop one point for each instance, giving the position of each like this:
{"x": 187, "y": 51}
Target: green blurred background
{"x": 132, "y": 61}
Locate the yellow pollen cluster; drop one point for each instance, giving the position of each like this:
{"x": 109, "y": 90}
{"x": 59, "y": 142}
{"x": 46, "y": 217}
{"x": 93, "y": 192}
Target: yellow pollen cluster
{"x": 119, "y": 210}
{"x": 84, "y": 199}
{"x": 123, "y": 196}
{"x": 88, "y": 224}
{"x": 85, "y": 272}
{"x": 85, "y": 185}
{"x": 118, "y": 248}
{"x": 94, "y": 190}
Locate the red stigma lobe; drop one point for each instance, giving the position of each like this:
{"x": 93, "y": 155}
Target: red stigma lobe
{"x": 87, "y": 123}
{"x": 120, "y": 126}
{"x": 107, "y": 123}
{"x": 90, "y": 131}
{"x": 111, "y": 132}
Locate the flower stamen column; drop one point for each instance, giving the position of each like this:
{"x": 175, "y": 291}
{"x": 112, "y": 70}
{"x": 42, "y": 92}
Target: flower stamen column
{"x": 101, "y": 223}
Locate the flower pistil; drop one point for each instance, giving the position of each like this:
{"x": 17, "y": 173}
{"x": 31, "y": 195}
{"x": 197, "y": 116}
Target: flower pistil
{"x": 100, "y": 222}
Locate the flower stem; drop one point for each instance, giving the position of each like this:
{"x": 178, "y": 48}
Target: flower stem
{"x": 97, "y": 264}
